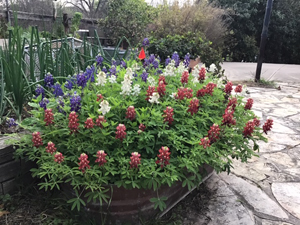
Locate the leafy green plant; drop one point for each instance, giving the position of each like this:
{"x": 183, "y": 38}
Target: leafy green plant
{"x": 75, "y": 23}
{"x": 135, "y": 129}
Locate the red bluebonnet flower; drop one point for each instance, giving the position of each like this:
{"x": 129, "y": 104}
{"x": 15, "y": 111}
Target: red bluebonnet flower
{"x": 101, "y": 158}
{"x": 201, "y": 92}
{"x": 99, "y": 121}
{"x": 232, "y": 102}
{"x": 185, "y": 77}
{"x": 99, "y": 97}
{"x": 83, "y": 162}
{"x": 228, "y": 88}
{"x": 210, "y": 88}
{"x": 168, "y": 116}
{"x": 36, "y": 139}
{"x": 249, "y": 104}
{"x": 161, "y": 89}
{"x": 73, "y": 122}
{"x": 142, "y": 127}
{"x": 238, "y": 88}
{"x": 58, "y": 157}
{"x": 135, "y": 160}
{"x": 194, "y": 106}
{"x": 162, "y": 78}
{"x": 120, "y": 133}
{"x": 184, "y": 93}
{"x": 268, "y": 125}
{"x": 228, "y": 117}
{"x": 202, "y": 73}
{"x": 163, "y": 156}
{"x": 213, "y": 133}
{"x": 249, "y": 128}
{"x": 49, "y": 117}
{"x": 150, "y": 91}
{"x": 256, "y": 122}
{"x": 50, "y": 147}
{"x": 89, "y": 123}
{"x": 130, "y": 113}
{"x": 205, "y": 142}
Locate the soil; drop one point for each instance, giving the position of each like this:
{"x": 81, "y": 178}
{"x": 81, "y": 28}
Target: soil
{"x": 33, "y": 206}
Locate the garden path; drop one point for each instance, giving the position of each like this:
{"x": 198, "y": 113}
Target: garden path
{"x": 266, "y": 190}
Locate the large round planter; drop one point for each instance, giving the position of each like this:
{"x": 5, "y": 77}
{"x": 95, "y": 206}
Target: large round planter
{"x": 131, "y": 205}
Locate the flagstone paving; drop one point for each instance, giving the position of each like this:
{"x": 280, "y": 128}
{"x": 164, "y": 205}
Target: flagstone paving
{"x": 266, "y": 190}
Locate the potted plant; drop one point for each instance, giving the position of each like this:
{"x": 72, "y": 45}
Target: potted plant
{"x": 136, "y": 127}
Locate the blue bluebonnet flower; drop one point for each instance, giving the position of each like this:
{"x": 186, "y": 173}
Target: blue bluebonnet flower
{"x": 151, "y": 58}
{"x": 10, "y": 122}
{"x": 168, "y": 60}
{"x": 75, "y": 102}
{"x": 176, "y": 58}
{"x": 61, "y": 104}
{"x": 112, "y": 70}
{"x": 123, "y": 64}
{"x": 70, "y": 83}
{"x": 144, "y": 76}
{"x": 186, "y": 60}
{"x": 99, "y": 60}
{"x": 155, "y": 64}
{"x": 159, "y": 71}
{"x": 81, "y": 80}
{"x": 43, "y": 103}
{"x": 39, "y": 91}
{"x": 90, "y": 73}
{"x": 104, "y": 69}
{"x": 48, "y": 80}
{"x": 113, "y": 62}
{"x": 146, "y": 42}
{"x": 57, "y": 90}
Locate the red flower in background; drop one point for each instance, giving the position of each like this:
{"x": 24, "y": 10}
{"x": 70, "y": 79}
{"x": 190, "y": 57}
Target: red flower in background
{"x": 228, "y": 117}
{"x": 58, "y": 157}
{"x": 83, "y": 162}
{"x": 213, "y": 133}
{"x": 120, "y": 133}
{"x": 101, "y": 158}
{"x": 168, "y": 116}
{"x": 238, "y": 89}
{"x": 249, "y": 104}
{"x": 228, "y": 88}
{"x": 185, "y": 77}
{"x": 232, "y": 102}
{"x": 268, "y": 125}
{"x": 150, "y": 91}
{"x": 36, "y": 139}
{"x": 163, "y": 156}
{"x": 99, "y": 97}
{"x": 89, "y": 123}
{"x": 50, "y": 147}
{"x": 161, "y": 89}
{"x": 130, "y": 113}
{"x": 249, "y": 128}
{"x": 202, "y": 73}
{"x": 194, "y": 106}
{"x": 73, "y": 122}
{"x": 205, "y": 142}
{"x": 135, "y": 160}
{"x": 49, "y": 117}
{"x": 100, "y": 120}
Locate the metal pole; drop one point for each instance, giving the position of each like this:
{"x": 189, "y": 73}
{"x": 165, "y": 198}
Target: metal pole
{"x": 263, "y": 40}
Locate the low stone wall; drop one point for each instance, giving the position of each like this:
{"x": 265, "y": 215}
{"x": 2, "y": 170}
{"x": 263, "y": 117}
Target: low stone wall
{"x": 13, "y": 173}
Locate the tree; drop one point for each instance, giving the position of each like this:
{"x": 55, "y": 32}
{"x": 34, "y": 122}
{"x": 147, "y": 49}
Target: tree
{"x": 91, "y": 8}
{"x": 128, "y": 18}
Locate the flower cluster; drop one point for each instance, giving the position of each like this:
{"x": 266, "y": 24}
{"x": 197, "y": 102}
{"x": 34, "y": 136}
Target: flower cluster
{"x": 37, "y": 139}
{"x": 57, "y": 90}
{"x": 127, "y": 82}
{"x": 58, "y": 157}
{"x": 130, "y": 113}
{"x": 186, "y": 60}
{"x": 202, "y": 74}
{"x": 50, "y": 147}
{"x": 238, "y": 88}
{"x": 232, "y": 102}
{"x": 99, "y": 97}
{"x": 150, "y": 92}
{"x": 268, "y": 125}
{"x": 163, "y": 156}
{"x": 184, "y": 93}
{"x": 75, "y": 102}
{"x": 205, "y": 142}
{"x": 228, "y": 88}
{"x": 73, "y": 122}
{"x": 39, "y": 91}
{"x": 161, "y": 89}
{"x": 48, "y": 80}
{"x": 135, "y": 160}
{"x": 89, "y": 123}
{"x": 100, "y": 120}
{"x": 185, "y": 77}
{"x": 43, "y": 103}
{"x": 10, "y": 122}
{"x": 176, "y": 59}
{"x": 83, "y": 162}
{"x": 146, "y": 42}
{"x": 104, "y": 107}
{"x": 168, "y": 115}
{"x": 101, "y": 158}
{"x": 249, "y": 104}
{"x": 120, "y": 133}
{"x": 228, "y": 117}
{"x": 194, "y": 106}
{"x": 49, "y": 117}
{"x": 101, "y": 78}
{"x": 99, "y": 60}
{"x": 213, "y": 133}
{"x": 249, "y": 128}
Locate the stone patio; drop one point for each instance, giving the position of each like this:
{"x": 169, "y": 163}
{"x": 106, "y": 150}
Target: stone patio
{"x": 266, "y": 190}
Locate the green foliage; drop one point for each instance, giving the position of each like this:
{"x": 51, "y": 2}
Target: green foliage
{"x": 127, "y": 18}
{"x": 182, "y": 137}
{"x": 75, "y": 23}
